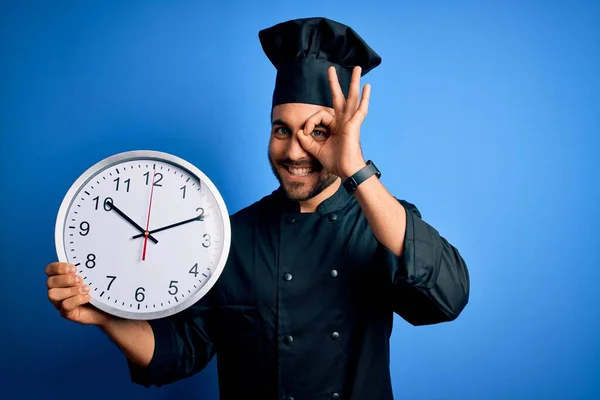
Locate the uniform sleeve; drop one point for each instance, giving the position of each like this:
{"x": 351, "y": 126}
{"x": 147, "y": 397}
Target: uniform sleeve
{"x": 430, "y": 281}
{"x": 183, "y": 346}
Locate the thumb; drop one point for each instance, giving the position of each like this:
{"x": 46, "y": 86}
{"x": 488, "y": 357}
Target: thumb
{"x": 309, "y": 144}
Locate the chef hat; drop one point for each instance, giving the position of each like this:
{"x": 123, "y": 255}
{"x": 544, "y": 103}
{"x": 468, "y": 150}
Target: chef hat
{"x": 302, "y": 50}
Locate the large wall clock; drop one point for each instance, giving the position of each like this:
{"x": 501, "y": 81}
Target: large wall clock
{"x": 148, "y": 232}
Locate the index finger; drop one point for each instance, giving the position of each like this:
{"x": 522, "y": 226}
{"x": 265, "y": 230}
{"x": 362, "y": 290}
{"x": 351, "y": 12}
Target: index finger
{"x": 323, "y": 118}
{"x": 59, "y": 268}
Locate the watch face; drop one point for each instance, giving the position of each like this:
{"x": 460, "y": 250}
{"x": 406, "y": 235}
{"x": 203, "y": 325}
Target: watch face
{"x": 350, "y": 184}
{"x": 147, "y": 231}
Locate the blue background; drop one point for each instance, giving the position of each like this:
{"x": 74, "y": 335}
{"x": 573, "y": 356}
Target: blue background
{"x": 484, "y": 114}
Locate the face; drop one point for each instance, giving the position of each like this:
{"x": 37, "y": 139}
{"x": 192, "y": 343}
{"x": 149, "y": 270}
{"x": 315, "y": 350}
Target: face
{"x": 299, "y": 173}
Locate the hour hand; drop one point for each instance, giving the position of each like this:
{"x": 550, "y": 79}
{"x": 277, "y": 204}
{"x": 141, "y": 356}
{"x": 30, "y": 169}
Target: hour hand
{"x": 132, "y": 222}
{"x": 198, "y": 218}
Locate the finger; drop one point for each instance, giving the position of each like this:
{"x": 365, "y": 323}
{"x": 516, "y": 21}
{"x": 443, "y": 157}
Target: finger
{"x": 309, "y": 144}
{"x": 361, "y": 113}
{"x": 322, "y": 117}
{"x": 337, "y": 96}
{"x": 353, "y": 92}
{"x": 59, "y": 268}
{"x": 63, "y": 281}
{"x": 56, "y": 295}
{"x": 73, "y": 302}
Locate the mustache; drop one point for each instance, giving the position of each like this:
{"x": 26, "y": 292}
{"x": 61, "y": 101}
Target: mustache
{"x": 303, "y": 163}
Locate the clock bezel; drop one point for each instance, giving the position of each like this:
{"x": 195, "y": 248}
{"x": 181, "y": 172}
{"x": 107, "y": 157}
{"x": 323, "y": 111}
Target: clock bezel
{"x": 83, "y": 179}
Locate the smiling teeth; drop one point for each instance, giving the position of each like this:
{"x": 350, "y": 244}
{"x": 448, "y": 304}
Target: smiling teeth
{"x": 300, "y": 171}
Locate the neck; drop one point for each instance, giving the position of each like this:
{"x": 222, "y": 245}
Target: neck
{"x": 311, "y": 205}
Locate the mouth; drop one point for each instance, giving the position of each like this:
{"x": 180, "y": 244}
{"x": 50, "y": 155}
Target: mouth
{"x": 298, "y": 171}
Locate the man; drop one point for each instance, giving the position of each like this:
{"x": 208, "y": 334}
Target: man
{"x": 304, "y": 306}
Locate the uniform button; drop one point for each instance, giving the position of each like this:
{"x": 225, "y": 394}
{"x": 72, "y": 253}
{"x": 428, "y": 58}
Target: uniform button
{"x": 335, "y": 335}
{"x": 335, "y": 395}
{"x": 333, "y": 273}
{"x": 333, "y": 217}
{"x": 291, "y": 220}
{"x": 287, "y": 276}
{"x": 288, "y": 339}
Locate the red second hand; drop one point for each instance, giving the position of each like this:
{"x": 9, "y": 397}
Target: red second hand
{"x": 148, "y": 220}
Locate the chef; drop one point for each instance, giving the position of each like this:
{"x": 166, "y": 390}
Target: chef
{"x": 317, "y": 268}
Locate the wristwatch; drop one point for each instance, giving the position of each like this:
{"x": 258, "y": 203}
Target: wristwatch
{"x": 352, "y": 182}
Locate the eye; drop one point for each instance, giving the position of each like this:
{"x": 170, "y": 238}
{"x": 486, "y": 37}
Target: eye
{"x": 319, "y": 135}
{"x": 281, "y": 131}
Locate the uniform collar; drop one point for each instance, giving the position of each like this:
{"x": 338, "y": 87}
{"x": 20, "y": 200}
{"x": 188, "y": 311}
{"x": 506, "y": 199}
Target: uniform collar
{"x": 334, "y": 202}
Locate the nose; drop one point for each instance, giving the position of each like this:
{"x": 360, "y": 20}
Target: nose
{"x": 295, "y": 151}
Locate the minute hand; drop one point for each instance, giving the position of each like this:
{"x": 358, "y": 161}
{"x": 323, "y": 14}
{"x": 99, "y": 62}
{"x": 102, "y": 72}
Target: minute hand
{"x": 198, "y": 218}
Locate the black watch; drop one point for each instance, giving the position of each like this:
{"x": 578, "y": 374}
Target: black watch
{"x": 362, "y": 175}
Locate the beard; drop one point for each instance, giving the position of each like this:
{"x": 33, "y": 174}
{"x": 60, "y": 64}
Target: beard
{"x": 300, "y": 191}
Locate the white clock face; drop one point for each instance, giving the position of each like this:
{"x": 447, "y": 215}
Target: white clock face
{"x": 102, "y": 224}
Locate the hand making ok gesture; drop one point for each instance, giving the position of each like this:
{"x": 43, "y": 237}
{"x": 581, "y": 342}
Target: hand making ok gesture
{"x": 339, "y": 152}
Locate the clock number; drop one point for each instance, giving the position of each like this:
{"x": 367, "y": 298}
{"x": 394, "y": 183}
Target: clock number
{"x": 194, "y": 270}
{"x": 85, "y": 227}
{"x": 207, "y": 240}
{"x": 127, "y": 181}
{"x": 139, "y": 294}
{"x": 183, "y": 188}
{"x": 112, "y": 279}
{"x": 201, "y": 214}
{"x": 108, "y": 203}
{"x": 91, "y": 261}
{"x": 158, "y": 177}
{"x": 107, "y": 200}
{"x": 171, "y": 286}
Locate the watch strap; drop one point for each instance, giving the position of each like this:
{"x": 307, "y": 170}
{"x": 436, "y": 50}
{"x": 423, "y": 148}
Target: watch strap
{"x": 352, "y": 182}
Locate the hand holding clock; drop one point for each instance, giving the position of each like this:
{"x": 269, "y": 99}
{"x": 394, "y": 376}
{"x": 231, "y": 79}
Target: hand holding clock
{"x": 70, "y": 295}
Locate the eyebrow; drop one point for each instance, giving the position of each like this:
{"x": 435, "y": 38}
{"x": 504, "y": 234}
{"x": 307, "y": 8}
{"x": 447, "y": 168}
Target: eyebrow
{"x": 281, "y": 122}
